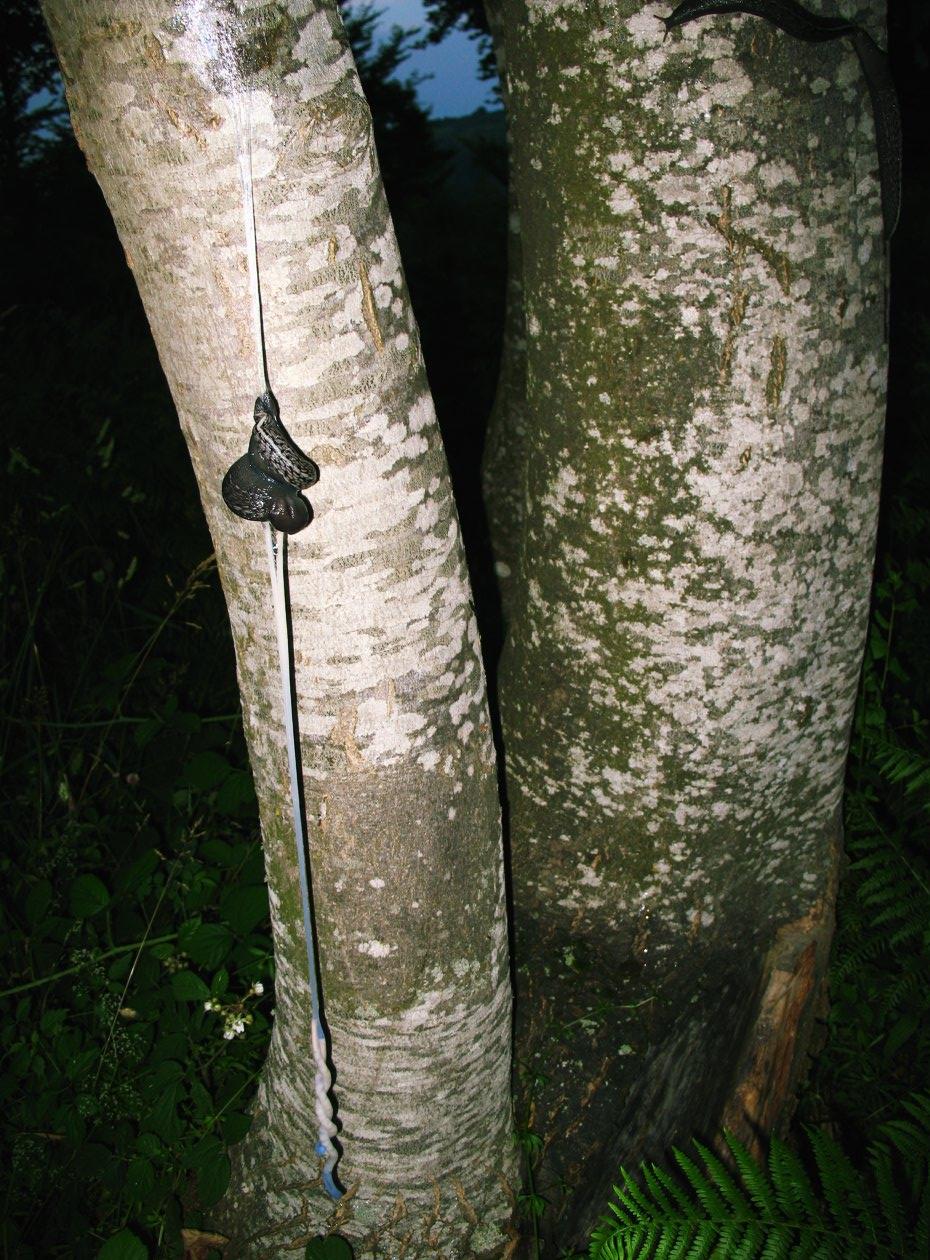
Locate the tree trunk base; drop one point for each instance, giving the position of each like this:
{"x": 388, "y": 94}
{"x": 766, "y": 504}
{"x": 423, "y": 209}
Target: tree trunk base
{"x": 276, "y": 1205}
{"x": 719, "y": 1042}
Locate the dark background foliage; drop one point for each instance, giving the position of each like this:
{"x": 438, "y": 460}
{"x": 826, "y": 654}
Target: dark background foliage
{"x": 132, "y": 872}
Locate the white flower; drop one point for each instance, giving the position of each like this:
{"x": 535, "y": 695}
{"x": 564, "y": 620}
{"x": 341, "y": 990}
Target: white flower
{"x": 229, "y": 1034}
{"x": 258, "y": 987}
{"x": 208, "y": 1005}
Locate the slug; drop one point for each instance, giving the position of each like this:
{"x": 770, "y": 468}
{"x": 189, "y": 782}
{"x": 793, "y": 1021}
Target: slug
{"x": 264, "y": 484}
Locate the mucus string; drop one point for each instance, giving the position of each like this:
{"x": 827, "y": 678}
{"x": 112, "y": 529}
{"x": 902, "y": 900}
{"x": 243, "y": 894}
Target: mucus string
{"x": 276, "y": 548}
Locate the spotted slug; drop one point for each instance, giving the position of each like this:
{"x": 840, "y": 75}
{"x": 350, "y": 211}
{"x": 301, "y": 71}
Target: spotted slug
{"x": 795, "y": 20}
{"x": 264, "y": 484}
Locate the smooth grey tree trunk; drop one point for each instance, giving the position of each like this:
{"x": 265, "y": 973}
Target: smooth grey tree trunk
{"x": 397, "y": 758}
{"x": 703, "y": 270}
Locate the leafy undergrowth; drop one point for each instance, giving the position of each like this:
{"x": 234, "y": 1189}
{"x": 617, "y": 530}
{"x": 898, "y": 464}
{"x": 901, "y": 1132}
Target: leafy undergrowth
{"x": 132, "y": 877}
{"x": 779, "y": 1208}
{"x": 134, "y": 930}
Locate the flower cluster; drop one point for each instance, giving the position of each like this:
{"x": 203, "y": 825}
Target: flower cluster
{"x": 175, "y": 962}
{"x": 235, "y": 1017}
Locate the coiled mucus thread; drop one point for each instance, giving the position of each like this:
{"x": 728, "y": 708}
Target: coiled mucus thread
{"x": 264, "y": 484}
{"x": 322, "y": 1081}
{"x": 326, "y": 1124}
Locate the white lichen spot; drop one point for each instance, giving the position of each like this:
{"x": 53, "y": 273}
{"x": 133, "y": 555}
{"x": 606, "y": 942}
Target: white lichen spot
{"x": 645, "y": 30}
{"x": 589, "y": 876}
{"x": 773, "y": 174}
{"x": 622, "y": 201}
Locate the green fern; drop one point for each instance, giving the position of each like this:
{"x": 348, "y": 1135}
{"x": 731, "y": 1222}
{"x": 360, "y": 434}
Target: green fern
{"x": 907, "y": 767}
{"x": 779, "y": 1210}
{"x": 892, "y": 895}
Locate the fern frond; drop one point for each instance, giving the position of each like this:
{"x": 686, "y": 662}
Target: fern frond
{"x": 846, "y": 1196}
{"x": 753, "y": 1178}
{"x": 892, "y": 1205}
{"x": 704, "y": 1190}
{"x": 792, "y": 1186}
{"x": 905, "y": 767}
{"x": 777, "y": 1245}
{"x": 922, "y": 1231}
{"x": 776, "y": 1210}
{"x": 666, "y": 1193}
{"x": 729, "y": 1191}
{"x": 909, "y": 1136}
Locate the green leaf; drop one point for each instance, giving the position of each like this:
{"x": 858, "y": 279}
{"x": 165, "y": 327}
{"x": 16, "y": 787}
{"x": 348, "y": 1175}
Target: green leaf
{"x": 211, "y": 1164}
{"x": 146, "y": 731}
{"x": 140, "y": 1178}
{"x": 333, "y": 1247}
{"x": 149, "y": 1144}
{"x": 236, "y": 794}
{"x": 206, "y": 943}
{"x": 123, "y": 1246}
{"x": 52, "y": 1021}
{"x": 205, "y": 771}
{"x": 235, "y": 1126}
{"x": 167, "y": 1072}
{"x": 172, "y": 1046}
{"x": 218, "y": 852}
{"x": 188, "y": 987}
{"x": 138, "y": 876}
{"x": 213, "y": 1180}
{"x": 201, "y": 1101}
{"x": 244, "y": 908}
{"x": 87, "y": 896}
{"x": 163, "y": 1118}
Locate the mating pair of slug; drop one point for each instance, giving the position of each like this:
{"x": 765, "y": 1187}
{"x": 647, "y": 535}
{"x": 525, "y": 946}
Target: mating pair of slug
{"x": 264, "y": 484}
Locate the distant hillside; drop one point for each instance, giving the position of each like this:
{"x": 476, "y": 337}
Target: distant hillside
{"x": 477, "y": 145}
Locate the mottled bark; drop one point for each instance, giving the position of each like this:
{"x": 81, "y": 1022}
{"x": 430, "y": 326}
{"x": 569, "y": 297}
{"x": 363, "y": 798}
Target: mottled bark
{"x": 703, "y": 271}
{"x": 397, "y": 757}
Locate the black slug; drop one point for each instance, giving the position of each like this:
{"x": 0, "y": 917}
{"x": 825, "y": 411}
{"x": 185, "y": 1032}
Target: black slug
{"x": 264, "y": 484}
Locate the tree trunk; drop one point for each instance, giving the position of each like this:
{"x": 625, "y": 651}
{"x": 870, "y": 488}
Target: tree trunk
{"x": 503, "y": 462}
{"x": 398, "y": 765}
{"x": 703, "y": 269}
